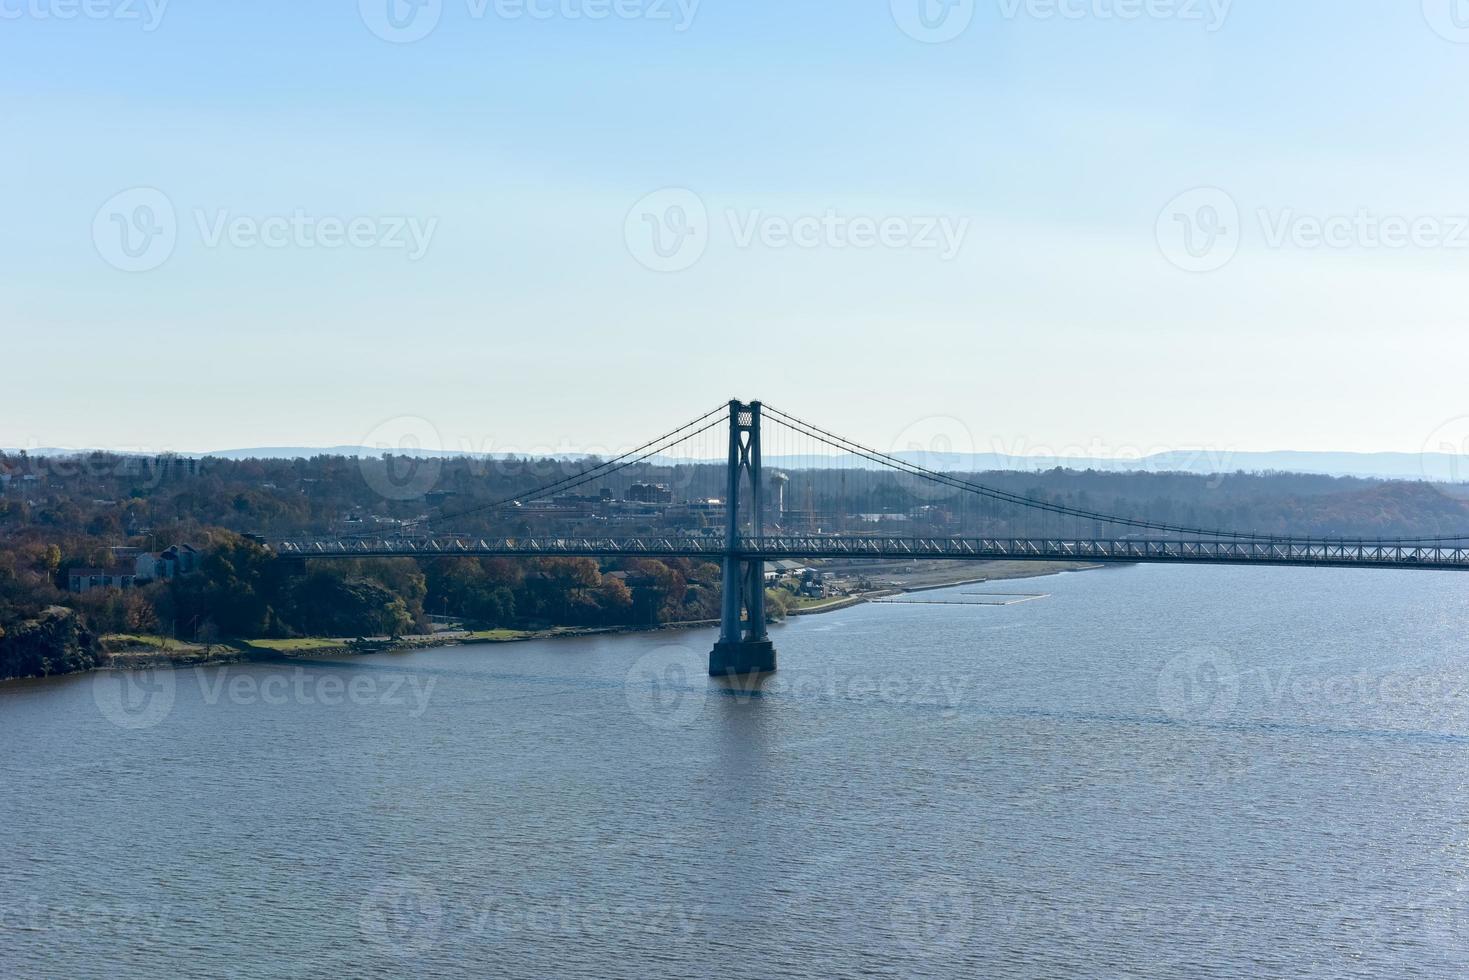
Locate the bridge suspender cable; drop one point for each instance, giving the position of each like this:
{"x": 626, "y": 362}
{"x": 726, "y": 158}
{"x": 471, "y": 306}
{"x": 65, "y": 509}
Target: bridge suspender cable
{"x": 913, "y": 469}
{"x": 683, "y": 433}
{"x": 601, "y": 471}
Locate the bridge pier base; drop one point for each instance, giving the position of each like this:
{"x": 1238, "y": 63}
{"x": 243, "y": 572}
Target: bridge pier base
{"x": 744, "y": 646}
{"x": 742, "y": 658}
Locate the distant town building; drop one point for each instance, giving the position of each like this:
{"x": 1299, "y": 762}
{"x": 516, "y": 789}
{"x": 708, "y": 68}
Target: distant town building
{"x": 565, "y": 506}
{"x": 84, "y": 580}
{"x": 783, "y": 568}
{"x": 162, "y": 467}
{"x": 359, "y": 522}
{"x": 181, "y": 559}
{"x": 698, "y": 514}
{"x": 649, "y": 493}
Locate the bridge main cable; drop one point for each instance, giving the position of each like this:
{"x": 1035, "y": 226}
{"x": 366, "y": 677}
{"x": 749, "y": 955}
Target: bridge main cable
{"x": 913, "y": 469}
{"x": 599, "y": 472}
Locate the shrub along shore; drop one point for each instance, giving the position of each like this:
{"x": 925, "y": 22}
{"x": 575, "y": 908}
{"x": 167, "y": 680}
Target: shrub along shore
{"x": 133, "y": 651}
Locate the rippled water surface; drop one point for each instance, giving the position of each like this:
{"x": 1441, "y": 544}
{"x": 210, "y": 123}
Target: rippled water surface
{"x": 1180, "y": 772}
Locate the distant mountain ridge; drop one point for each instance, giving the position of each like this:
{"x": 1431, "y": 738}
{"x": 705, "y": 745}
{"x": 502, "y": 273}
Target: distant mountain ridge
{"x": 1436, "y": 467}
{"x": 1395, "y": 466}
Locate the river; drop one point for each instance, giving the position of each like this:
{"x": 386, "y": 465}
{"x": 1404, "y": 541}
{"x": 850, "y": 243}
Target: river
{"x": 1160, "y": 772}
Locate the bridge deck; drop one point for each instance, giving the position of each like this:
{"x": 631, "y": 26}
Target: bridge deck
{"x": 1319, "y": 553}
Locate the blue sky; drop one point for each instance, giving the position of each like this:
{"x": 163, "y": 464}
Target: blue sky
{"x": 531, "y": 153}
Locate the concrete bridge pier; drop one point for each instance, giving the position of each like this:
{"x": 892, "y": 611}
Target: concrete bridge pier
{"x": 742, "y": 659}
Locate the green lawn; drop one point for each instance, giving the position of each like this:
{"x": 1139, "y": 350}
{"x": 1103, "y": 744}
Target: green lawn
{"x": 496, "y": 636}
{"x": 300, "y": 645}
{"x": 293, "y": 646}
{"x": 123, "y": 640}
{"x": 141, "y": 640}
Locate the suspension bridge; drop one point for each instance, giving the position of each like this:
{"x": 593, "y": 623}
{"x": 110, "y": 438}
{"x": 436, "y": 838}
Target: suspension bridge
{"x": 753, "y": 533}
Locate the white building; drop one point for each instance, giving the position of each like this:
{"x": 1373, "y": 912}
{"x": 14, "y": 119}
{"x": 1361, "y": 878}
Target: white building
{"x": 181, "y": 559}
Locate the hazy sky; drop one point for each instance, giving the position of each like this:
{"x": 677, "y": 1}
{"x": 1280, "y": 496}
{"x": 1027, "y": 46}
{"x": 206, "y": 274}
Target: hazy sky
{"x": 289, "y": 223}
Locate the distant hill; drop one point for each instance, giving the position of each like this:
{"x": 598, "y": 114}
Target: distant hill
{"x": 1395, "y": 466}
{"x": 1436, "y": 467}
{"x": 302, "y": 452}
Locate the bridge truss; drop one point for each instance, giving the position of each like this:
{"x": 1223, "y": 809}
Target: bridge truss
{"x": 1012, "y": 526}
{"x": 1323, "y": 553}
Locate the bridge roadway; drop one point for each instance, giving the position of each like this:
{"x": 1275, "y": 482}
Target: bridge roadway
{"x": 1329, "y": 553}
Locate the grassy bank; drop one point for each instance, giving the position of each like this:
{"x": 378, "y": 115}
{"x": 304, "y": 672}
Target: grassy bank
{"x": 131, "y": 651}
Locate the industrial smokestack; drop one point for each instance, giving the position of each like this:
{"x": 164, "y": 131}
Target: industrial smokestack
{"x": 778, "y": 483}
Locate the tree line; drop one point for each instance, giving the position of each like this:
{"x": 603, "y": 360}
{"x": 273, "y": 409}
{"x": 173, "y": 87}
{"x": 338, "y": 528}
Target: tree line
{"x": 57, "y": 515}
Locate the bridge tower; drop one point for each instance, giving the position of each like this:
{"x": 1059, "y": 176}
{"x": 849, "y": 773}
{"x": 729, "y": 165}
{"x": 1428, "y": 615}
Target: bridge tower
{"x": 744, "y": 646}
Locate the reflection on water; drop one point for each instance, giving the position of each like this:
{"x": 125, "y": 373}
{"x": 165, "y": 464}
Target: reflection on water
{"x": 1157, "y": 771}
